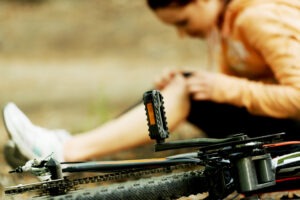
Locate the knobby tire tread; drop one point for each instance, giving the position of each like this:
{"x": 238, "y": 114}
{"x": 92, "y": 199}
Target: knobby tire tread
{"x": 170, "y": 186}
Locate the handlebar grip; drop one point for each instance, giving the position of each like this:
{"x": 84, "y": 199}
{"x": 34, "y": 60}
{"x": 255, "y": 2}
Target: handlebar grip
{"x": 155, "y": 111}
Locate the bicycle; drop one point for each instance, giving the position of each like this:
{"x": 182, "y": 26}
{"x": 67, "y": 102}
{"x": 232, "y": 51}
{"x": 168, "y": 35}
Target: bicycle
{"x": 250, "y": 166}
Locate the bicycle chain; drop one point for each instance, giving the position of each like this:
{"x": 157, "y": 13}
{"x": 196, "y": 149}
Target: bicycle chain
{"x": 62, "y": 186}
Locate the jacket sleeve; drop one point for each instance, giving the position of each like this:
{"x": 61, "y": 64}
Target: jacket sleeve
{"x": 275, "y": 35}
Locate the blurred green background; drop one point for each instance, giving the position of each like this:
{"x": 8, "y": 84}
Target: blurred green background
{"x": 75, "y": 64}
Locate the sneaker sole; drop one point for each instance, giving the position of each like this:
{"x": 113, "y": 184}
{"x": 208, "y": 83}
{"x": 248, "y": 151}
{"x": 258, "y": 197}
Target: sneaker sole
{"x": 13, "y": 156}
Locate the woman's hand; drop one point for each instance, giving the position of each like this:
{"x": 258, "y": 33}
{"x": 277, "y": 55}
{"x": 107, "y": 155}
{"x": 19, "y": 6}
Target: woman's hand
{"x": 201, "y": 84}
{"x": 172, "y": 80}
{"x": 166, "y": 77}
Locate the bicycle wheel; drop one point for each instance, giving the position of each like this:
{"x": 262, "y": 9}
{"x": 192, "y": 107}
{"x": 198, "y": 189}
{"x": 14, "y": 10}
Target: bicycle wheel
{"x": 170, "y": 186}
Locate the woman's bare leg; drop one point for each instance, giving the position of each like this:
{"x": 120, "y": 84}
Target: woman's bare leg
{"x": 130, "y": 129}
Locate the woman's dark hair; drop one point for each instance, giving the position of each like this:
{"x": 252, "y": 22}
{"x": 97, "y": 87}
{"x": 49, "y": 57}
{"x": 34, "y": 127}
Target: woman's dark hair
{"x": 155, "y": 4}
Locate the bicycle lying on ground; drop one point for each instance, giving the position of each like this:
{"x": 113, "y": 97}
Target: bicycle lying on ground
{"x": 250, "y": 166}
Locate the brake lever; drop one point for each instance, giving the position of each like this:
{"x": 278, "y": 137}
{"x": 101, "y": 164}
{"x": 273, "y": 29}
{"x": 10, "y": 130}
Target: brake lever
{"x": 47, "y": 167}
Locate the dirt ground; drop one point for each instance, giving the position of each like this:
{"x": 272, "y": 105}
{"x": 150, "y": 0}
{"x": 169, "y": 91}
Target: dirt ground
{"x": 76, "y": 64}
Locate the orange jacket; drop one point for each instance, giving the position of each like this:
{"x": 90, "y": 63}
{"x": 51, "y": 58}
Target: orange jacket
{"x": 261, "y": 57}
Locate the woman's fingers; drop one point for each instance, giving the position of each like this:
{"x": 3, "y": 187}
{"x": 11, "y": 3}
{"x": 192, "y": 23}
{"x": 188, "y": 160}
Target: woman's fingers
{"x": 164, "y": 79}
{"x": 200, "y": 85}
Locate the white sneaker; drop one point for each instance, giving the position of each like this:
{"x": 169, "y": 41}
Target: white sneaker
{"x": 31, "y": 140}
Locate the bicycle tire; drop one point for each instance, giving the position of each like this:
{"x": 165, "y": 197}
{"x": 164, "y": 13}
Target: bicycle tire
{"x": 170, "y": 186}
